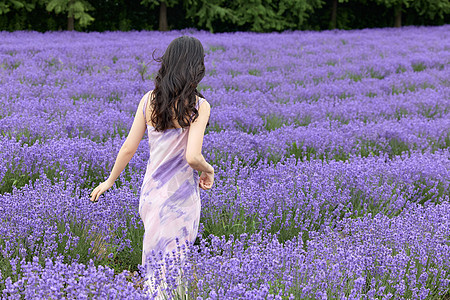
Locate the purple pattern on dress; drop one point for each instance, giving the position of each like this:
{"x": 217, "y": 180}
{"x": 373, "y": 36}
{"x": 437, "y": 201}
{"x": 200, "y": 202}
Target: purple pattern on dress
{"x": 168, "y": 169}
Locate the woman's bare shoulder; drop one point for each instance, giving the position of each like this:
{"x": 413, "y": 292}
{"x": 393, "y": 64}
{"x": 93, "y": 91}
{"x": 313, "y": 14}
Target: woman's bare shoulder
{"x": 202, "y": 100}
{"x": 149, "y": 93}
{"x": 206, "y": 103}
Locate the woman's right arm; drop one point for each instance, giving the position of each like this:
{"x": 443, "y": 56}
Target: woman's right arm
{"x": 197, "y": 128}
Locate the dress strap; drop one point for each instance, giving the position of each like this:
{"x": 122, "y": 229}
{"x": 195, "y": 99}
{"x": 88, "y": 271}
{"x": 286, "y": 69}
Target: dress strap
{"x": 200, "y": 101}
{"x": 145, "y": 103}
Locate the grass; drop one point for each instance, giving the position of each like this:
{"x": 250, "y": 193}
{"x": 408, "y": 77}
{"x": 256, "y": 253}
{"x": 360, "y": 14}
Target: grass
{"x": 400, "y": 69}
{"x": 203, "y": 87}
{"x": 418, "y": 67}
{"x": 127, "y": 258}
{"x": 397, "y": 147}
{"x": 400, "y": 113}
{"x": 254, "y": 72}
{"x": 354, "y": 77}
{"x": 221, "y": 221}
{"x": 83, "y": 96}
{"x": 338, "y": 118}
{"x": 114, "y": 98}
{"x": 375, "y": 74}
{"x": 248, "y": 128}
{"x": 369, "y": 147}
{"x": 272, "y": 122}
{"x": 24, "y": 136}
{"x": 305, "y": 121}
{"x": 234, "y": 73}
{"x": 430, "y": 112}
{"x": 371, "y": 94}
{"x": 216, "y": 48}
{"x": 14, "y": 177}
{"x": 213, "y": 128}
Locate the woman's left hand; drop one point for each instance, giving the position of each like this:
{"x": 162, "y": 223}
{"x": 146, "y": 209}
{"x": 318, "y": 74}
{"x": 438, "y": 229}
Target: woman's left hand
{"x": 100, "y": 189}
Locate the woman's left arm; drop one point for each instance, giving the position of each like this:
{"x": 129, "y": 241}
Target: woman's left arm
{"x": 126, "y": 152}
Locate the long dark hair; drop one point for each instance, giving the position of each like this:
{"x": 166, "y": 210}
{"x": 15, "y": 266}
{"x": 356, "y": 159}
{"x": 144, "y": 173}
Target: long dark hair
{"x": 174, "y": 95}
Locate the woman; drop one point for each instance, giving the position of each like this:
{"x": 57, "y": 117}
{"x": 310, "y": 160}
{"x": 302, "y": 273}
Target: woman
{"x": 175, "y": 120}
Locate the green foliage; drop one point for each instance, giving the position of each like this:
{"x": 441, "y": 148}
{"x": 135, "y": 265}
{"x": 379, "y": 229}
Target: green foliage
{"x": 400, "y": 113}
{"x": 228, "y": 222}
{"x": 254, "y": 72}
{"x": 431, "y": 111}
{"x": 429, "y": 8}
{"x": 215, "y": 48}
{"x": 90, "y": 244}
{"x": 397, "y": 147}
{"x": 205, "y": 12}
{"x": 354, "y": 77}
{"x": 7, "y": 5}
{"x": 375, "y": 74}
{"x": 202, "y": 87}
{"x": 369, "y": 147}
{"x": 16, "y": 178}
{"x": 234, "y": 73}
{"x": 260, "y": 16}
{"x": 142, "y": 70}
{"x": 216, "y": 15}
{"x": 418, "y": 67}
{"x": 74, "y": 8}
{"x": 153, "y": 3}
{"x": 305, "y": 121}
{"x": 400, "y": 69}
{"x": 273, "y": 122}
{"x": 214, "y": 128}
{"x": 394, "y": 3}
{"x": 127, "y": 258}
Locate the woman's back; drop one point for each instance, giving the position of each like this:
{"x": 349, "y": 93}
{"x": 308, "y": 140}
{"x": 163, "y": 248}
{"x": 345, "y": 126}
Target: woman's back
{"x": 168, "y": 152}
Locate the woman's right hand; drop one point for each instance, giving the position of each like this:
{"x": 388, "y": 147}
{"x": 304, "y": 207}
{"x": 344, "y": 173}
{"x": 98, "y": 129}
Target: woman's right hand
{"x": 206, "y": 180}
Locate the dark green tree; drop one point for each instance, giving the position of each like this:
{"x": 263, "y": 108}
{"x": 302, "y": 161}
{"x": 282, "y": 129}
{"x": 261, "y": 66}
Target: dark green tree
{"x": 75, "y": 10}
{"x": 163, "y": 4}
{"x": 254, "y": 15}
{"x": 431, "y": 8}
{"x": 397, "y": 5}
{"x": 203, "y": 12}
{"x": 334, "y": 6}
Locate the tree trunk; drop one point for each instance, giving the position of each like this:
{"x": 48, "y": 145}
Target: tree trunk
{"x": 163, "y": 17}
{"x": 70, "y": 23}
{"x": 398, "y": 15}
{"x": 333, "y": 14}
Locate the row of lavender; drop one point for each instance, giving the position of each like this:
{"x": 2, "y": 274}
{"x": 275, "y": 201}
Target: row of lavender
{"x": 98, "y": 112}
{"x": 269, "y": 85}
{"x": 363, "y": 212}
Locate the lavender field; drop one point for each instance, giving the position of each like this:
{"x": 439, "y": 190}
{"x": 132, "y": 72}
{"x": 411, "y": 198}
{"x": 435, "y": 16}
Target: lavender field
{"x": 331, "y": 152}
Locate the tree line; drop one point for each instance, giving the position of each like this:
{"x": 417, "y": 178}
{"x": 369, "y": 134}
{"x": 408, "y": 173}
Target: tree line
{"x": 218, "y": 15}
